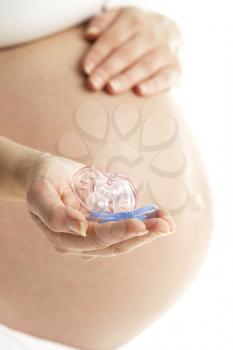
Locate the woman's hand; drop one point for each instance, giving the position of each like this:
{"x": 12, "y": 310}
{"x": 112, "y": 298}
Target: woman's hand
{"x": 132, "y": 49}
{"x": 56, "y": 210}
{"x": 50, "y": 198}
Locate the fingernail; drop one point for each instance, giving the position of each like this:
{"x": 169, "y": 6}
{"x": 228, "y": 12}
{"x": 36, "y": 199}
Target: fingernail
{"x": 77, "y": 227}
{"x": 164, "y": 228}
{"x": 144, "y": 89}
{"x": 115, "y": 84}
{"x": 89, "y": 66}
{"x": 97, "y": 80}
{"x": 92, "y": 30}
{"x": 168, "y": 231}
{"x": 82, "y": 229}
{"x": 171, "y": 224}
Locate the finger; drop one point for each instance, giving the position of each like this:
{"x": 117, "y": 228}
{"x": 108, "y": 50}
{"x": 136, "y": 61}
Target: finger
{"x": 161, "y": 214}
{"x": 99, "y": 235}
{"x": 165, "y": 79}
{"x": 56, "y": 238}
{"x": 144, "y": 68}
{"x": 159, "y": 228}
{"x": 46, "y": 203}
{"x": 69, "y": 198}
{"x": 119, "y": 32}
{"x": 160, "y": 225}
{"x": 100, "y": 23}
{"x": 104, "y": 235}
{"x": 127, "y": 54}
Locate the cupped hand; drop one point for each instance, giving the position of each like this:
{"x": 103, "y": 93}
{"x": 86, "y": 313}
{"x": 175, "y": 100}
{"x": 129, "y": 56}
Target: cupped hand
{"x": 56, "y": 210}
{"x": 132, "y": 49}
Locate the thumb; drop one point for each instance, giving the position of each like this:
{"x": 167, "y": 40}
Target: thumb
{"x": 100, "y": 23}
{"x": 45, "y": 202}
{"x": 69, "y": 198}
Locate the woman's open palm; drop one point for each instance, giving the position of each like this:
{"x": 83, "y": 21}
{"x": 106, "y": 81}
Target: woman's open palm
{"x": 56, "y": 210}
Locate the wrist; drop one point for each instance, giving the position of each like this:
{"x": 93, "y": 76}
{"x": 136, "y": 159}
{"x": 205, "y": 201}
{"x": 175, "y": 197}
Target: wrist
{"x": 22, "y": 169}
{"x": 16, "y": 162}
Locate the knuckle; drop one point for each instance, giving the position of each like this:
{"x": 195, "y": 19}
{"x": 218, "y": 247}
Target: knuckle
{"x": 146, "y": 67}
{"x": 126, "y": 54}
{"x": 113, "y": 38}
{"x": 110, "y": 67}
{"x": 95, "y": 53}
{"x": 129, "y": 77}
{"x": 117, "y": 62}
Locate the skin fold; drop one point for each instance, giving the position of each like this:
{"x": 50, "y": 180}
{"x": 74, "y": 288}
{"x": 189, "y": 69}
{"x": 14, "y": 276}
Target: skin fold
{"x": 105, "y": 302}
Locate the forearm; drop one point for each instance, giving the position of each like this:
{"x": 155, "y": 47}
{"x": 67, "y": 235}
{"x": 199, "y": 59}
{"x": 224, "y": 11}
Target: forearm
{"x": 15, "y": 163}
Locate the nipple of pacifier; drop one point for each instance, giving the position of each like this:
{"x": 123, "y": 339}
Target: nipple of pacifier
{"x": 95, "y": 201}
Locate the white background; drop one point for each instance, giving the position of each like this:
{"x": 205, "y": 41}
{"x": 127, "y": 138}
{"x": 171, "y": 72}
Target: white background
{"x": 203, "y": 318}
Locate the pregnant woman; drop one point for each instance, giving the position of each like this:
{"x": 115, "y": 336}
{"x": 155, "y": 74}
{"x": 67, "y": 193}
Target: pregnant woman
{"x": 66, "y": 103}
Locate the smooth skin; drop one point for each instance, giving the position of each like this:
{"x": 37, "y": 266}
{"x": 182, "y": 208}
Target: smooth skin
{"x": 44, "y": 181}
{"x": 132, "y": 49}
{"x": 104, "y": 303}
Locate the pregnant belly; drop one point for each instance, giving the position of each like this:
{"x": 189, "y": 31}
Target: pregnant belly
{"x": 105, "y": 302}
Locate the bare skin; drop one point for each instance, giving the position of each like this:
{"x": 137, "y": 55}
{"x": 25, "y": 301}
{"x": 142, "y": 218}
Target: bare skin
{"x": 99, "y": 304}
{"x": 132, "y": 49}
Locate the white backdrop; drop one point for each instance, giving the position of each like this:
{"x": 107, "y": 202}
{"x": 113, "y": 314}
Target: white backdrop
{"x": 203, "y": 318}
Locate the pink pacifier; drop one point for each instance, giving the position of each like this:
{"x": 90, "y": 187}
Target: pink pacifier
{"x": 108, "y": 196}
{"x": 104, "y": 192}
